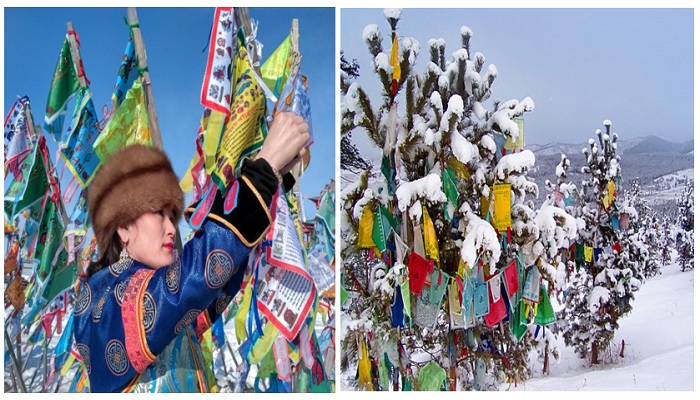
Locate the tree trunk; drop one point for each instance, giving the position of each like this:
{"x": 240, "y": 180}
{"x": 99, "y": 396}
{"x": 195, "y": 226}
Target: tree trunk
{"x": 545, "y": 369}
{"x": 594, "y": 353}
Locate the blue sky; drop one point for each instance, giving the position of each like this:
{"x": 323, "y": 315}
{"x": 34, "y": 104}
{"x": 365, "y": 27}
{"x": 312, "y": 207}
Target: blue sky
{"x": 175, "y": 40}
{"x": 580, "y": 66}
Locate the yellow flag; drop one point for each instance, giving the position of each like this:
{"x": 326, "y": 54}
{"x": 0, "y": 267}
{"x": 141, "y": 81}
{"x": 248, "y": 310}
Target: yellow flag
{"x": 364, "y": 368}
{"x": 275, "y": 70}
{"x": 264, "y": 344}
{"x": 207, "y": 346}
{"x": 520, "y": 140}
{"x": 395, "y": 58}
{"x": 364, "y": 239}
{"x": 243, "y": 134}
{"x": 501, "y": 218}
{"x": 242, "y": 312}
{"x": 429, "y": 237}
{"x": 588, "y": 253}
{"x": 186, "y": 183}
{"x": 66, "y": 365}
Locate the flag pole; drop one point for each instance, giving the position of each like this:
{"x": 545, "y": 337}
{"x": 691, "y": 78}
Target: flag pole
{"x": 153, "y": 125}
{"x": 20, "y": 381}
{"x": 297, "y": 169}
{"x": 77, "y": 61}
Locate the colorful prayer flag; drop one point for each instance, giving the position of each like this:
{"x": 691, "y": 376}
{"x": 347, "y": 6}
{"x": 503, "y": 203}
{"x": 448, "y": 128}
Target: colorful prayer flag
{"x": 18, "y": 142}
{"x": 31, "y": 184}
{"x": 275, "y": 69}
{"x": 128, "y": 125}
{"x": 64, "y": 86}
{"x": 246, "y": 128}
{"x": 430, "y": 238}
{"x": 77, "y": 149}
{"x": 450, "y": 188}
{"x": 394, "y": 61}
{"x": 519, "y": 142}
{"x": 501, "y": 218}
{"x": 588, "y": 253}
{"x": 216, "y": 89}
{"x": 127, "y": 74}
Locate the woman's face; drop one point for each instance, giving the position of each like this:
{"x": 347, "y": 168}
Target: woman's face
{"x": 150, "y": 239}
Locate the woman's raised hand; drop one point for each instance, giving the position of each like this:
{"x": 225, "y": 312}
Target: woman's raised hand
{"x": 285, "y": 141}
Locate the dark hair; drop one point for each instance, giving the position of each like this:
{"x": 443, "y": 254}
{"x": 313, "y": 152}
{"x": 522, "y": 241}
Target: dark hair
{"x": 110, "y": 255}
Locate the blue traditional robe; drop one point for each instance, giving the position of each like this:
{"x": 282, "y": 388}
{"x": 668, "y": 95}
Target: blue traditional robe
{"x": 136, "y": 328}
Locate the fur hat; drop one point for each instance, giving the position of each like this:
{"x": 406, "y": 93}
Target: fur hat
{"x": 135, "y": 180}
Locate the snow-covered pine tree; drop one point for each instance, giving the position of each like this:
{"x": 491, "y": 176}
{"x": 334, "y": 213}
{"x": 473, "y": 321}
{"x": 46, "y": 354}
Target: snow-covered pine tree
{"x": 643, "y": 233}
{"x": 550, "y": 252}
{"x": 667, "y": 243}
{"x": 601, "y": 291}
{"x": 438, "y": 152}
{"x": 350, "y": 157}
{"x": 685, "y": 229}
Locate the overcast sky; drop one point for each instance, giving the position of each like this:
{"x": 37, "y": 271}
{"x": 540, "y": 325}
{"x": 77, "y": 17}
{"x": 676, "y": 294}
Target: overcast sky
{"x": 176, "y": 47}
{"x": 580, "y": 66}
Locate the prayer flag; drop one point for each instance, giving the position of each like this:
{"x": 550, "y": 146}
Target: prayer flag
{"x": 519, "y": 142}
{"x": 246, "y": 127}
{"x": 77, "y": 149}
{"x": 418, "y": 269}
{"x": 501, "y": 218}
{"x": 31, "y": 184}
{"x": 450, "y": 188}
{"x": 275, "y": 69}
{"x": 588, "y": 253}
{"x": 127, "y": 74}
{"x": 364, "y": 369}
{"x": 326, "y": 210}
{"x": 364, "y": 234}
{"x": 431, "y": 377}
{"x": 216, "y": 88}
{"x": 430, "y": 238}
{"x": 64, "y": 86}
{"x": 394, "y": 61}
{"x": 18, "y": 142}
{"x": 128, "y": 125}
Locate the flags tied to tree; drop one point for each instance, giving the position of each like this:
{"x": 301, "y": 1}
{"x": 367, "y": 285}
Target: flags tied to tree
{"x": 601, "y": 289}
{"x": 446, "y": 262}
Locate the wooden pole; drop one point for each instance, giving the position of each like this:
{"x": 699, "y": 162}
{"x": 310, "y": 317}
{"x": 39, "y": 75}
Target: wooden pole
{"x": 244, "y": 18}
{"x": 76, "y": 54}
{"x": 153, "y": 126}
{"x": 145, "y": 77}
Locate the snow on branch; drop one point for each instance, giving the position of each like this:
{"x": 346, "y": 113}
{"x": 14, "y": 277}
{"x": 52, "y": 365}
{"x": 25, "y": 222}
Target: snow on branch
{"x": 480, "y": 236}
{"x": 428, "y": 188}
{"x": 515, "y": 163}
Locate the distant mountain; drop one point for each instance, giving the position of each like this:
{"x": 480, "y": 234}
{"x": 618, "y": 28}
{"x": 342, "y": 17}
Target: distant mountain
{"x": 646, "y": 158}
{"x": 654, "y": 144}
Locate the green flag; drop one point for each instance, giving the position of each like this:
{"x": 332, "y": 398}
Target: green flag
{"x": 64, "y": 85}
{"x": 62, "y": 277}
{"x": 50, "y": 239}
{"x": 430, "y": 377}
{"x": 450, "y": 189}
{"x": 30, "y": 185}
{"x": 380, "y": 231}
{"x": 326, "y": 210}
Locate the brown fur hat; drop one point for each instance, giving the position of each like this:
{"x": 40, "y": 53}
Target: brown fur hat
{"x": 135, "y": 180}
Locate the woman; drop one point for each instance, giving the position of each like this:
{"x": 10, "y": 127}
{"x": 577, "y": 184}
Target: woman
{"x": 139, "y": 311}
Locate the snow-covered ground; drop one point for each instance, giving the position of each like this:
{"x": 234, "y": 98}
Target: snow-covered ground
{"x": 659, "y": 347}
{"x": 668, "y": 187}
